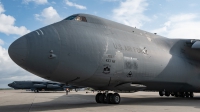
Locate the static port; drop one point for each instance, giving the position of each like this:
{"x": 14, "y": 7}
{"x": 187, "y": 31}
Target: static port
{"x": 51, "y": 56}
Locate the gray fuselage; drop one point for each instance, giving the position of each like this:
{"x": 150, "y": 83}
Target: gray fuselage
{"x": 107, "y": 55}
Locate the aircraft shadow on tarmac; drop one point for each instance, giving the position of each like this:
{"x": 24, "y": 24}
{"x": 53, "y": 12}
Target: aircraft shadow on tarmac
{"x": 84, "y": 101}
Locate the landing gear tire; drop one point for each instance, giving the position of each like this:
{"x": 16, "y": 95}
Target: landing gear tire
{"x": 172, "y": 93}
{"x": 108, "y": 98}
{"x": 182, "y": 94}
{"x": 191, "y": 94}
{"x": 115, "y": 98}
{"x": 161, "y": 93}
{"x": 101, "y": 98}
{"x": 104, "y": 98}
{"x": 187, "y": 95}
{"x": 176, "y": 94}
{"x": 98, "y": 97}
{"x": 167, "y": 93}
{"x": 36, "y": 91}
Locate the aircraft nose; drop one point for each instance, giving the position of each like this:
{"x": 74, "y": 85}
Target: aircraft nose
{"x": 10, "y": 85}
{"x": 18, "y": 50}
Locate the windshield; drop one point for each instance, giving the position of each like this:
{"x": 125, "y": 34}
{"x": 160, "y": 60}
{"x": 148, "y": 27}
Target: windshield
{"x": 77, "y": 18}
{"x": 70, "y": 18}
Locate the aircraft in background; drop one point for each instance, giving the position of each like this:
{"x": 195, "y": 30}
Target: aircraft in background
{"x": 37, "y": 86}
{"x": 90, "y": 51}
{"x": 71, "y": 87}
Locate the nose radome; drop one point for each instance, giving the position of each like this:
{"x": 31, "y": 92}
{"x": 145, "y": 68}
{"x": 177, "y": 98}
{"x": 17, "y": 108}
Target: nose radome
{"x": 10, "y": 85}
{"x": 18, "y": 51}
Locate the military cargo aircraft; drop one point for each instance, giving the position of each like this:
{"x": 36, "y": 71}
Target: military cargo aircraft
{"x": 90, "y": 51}
{"x": 37, "y": 86}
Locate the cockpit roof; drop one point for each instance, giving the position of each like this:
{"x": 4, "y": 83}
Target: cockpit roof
{"x": 101, "y": 21}
{"x": 86, "y": 18}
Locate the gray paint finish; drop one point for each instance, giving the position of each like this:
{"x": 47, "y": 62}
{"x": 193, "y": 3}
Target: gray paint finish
{"x": 105, "y": 55}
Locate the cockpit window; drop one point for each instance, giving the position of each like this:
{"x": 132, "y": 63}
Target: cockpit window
{"x": 84, "y": 19}
{"x": 77, "y": 18}
{"x": 70, "y": 18}
{"x": 81, "y": 18}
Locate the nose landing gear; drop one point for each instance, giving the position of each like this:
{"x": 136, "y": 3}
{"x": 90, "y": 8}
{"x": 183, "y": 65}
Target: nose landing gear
{"x": 109, "y": 98}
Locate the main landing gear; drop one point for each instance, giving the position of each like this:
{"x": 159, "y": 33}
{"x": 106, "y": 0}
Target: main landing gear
{"x": 36, "y": 91}
{"x": 177, "y": 94}
{"x": 109, "y": 98}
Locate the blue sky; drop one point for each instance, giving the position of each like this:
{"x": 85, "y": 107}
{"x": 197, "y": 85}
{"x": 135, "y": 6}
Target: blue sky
{"x": 169, "y": 18}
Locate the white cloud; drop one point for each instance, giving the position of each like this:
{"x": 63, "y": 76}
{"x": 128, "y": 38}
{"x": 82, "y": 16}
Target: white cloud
{"x": 130, "y": 12}
{"x": 7, "y": 24}
{"x": 182, "y": 17}
{"x": 1, "y": 8}
{"x": 8, "y": 68}
{"x": 48, "y": 15}
{"x": 185, "y": 26}
{"x": 9, "y": 71}
{"x": 40, "y": 2}
{"x": 1, "y": 42}
{"x": 71, "y": 4}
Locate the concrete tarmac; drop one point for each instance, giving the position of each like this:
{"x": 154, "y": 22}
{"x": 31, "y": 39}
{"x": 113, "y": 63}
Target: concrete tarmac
{"x": 26, "y": 101}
